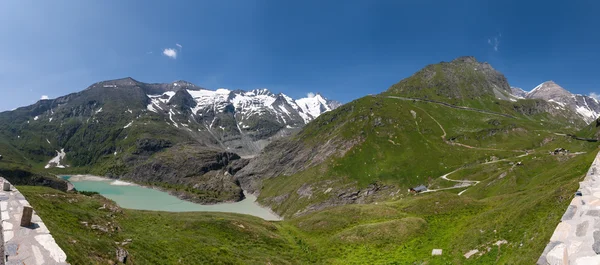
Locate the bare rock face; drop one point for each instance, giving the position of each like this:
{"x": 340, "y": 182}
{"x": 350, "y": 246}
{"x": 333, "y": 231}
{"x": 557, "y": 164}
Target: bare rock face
{"x": 122, "y": 255}
{"x": 197, "y": 173}
{"x": 287, "y": 157}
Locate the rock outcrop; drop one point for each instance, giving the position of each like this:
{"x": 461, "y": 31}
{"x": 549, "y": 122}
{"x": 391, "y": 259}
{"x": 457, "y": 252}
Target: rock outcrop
{"x": 192, "y": 172}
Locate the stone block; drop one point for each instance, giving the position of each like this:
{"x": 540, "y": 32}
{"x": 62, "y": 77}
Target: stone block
{"x": 571, "y": 210}
{"x": 596, "y": 245}
{"x": 558, "y": 255}
{"x": 26, "y": 217}
{"x": 593, "y": 213}
{"x": 582, "y": 228}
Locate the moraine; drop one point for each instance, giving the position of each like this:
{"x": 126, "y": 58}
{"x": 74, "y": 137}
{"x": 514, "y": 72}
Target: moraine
{"x": 132, "y": 196}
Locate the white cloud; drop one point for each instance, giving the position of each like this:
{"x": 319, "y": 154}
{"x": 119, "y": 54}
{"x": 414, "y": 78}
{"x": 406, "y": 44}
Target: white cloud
{"x": 179, "y": 45}
{"x": 594, "y": 95}
{"x": 44, "y": 97}
{"x": 171, "y": 53}
{"x": 310, "y": 95}
{"x": 495, "y": 42}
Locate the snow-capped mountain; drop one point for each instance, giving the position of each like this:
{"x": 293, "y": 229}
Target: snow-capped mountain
{"x": 143, "y": 118}
{"x": 243, "y": 121}
{"x": 586, "y": 107}
{"x": 244, "y": 105}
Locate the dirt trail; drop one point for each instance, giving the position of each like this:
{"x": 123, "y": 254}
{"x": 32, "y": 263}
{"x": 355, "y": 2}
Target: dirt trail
{"x": 465, "y": 183}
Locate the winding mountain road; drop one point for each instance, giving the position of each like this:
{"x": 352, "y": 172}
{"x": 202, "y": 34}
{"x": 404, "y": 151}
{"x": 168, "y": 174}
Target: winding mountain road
{"x": 462, "y": 183}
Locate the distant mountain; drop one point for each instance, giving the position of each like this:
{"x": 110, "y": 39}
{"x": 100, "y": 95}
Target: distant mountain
{"x": 587, "y": 108}
{"x": 239, "y": 120}
{"x": 518, "y": 92}
{"x": 126, "y": 128}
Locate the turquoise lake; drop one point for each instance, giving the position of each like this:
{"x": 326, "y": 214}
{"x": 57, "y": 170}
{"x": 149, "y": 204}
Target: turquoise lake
{"x": 131, "y": 196}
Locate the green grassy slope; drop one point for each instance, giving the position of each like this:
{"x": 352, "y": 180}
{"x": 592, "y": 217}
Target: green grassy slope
{"x": 522, "y": 207}
{"x": 400, "y": 145}
{"x": 157, "y": 237}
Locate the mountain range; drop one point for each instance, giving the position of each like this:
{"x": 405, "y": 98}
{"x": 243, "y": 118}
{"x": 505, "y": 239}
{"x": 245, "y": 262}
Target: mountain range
{"x": 116, "y": 127}
{"x": 243, "y": 121}
{"x": 586, "y": 107}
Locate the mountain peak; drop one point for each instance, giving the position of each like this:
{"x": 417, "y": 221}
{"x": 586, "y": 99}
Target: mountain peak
{"x": 114, "y": 83}
{"x": 446, "y": 81}
{"x": 586, "y": 107}
{"x": 465, "y": 59}
{"x": 548, "y": 88}
{"x": 182, "y": 84}
{"x": 261, "y": 91}
{"x": 123, "y": 81}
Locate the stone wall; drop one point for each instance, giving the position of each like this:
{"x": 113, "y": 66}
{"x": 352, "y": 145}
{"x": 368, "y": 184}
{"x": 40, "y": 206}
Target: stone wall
{"x": 576, "y": 239}
{"x": 25, "y": 245}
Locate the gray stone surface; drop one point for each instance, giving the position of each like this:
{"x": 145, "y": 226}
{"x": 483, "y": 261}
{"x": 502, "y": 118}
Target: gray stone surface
{"x": 596, "y": 245}
{"x": 32, "y": 244}
{"x": 122, "y": 255}
{"x": 571, "y": 210}
{"x": 576, "y": 239}
{"x": 593, "y": 213}
{"x": 10, "y": 249}
{"x": 582, "y": 228}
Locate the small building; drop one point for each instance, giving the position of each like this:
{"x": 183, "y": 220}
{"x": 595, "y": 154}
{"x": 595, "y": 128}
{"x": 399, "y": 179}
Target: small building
{"x": 418, "y": 189}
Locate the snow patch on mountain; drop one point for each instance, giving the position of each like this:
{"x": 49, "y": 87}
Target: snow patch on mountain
{"x": 535, "y": 89}
{"x": 156, "y": 100}
{"x": 249, "y": 103}
{"x": 204, "y": 98}
{"x": 313, "y": 106}
{"x": 559, "y": 103}
{"x": 56, "y": 161}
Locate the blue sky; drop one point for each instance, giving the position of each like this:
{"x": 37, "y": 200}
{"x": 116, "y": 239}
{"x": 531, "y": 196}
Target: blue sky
{"x": 344, "y": 51}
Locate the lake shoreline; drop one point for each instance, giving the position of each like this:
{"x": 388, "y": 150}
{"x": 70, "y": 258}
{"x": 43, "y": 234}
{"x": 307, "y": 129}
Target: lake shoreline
{"x": 186, "y": 196}
{"x": 108, "y": 186}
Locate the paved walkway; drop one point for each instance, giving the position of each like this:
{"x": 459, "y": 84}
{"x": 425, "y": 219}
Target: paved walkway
{"x": 576, "y": 239}
{"x": 26, "y": 245}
